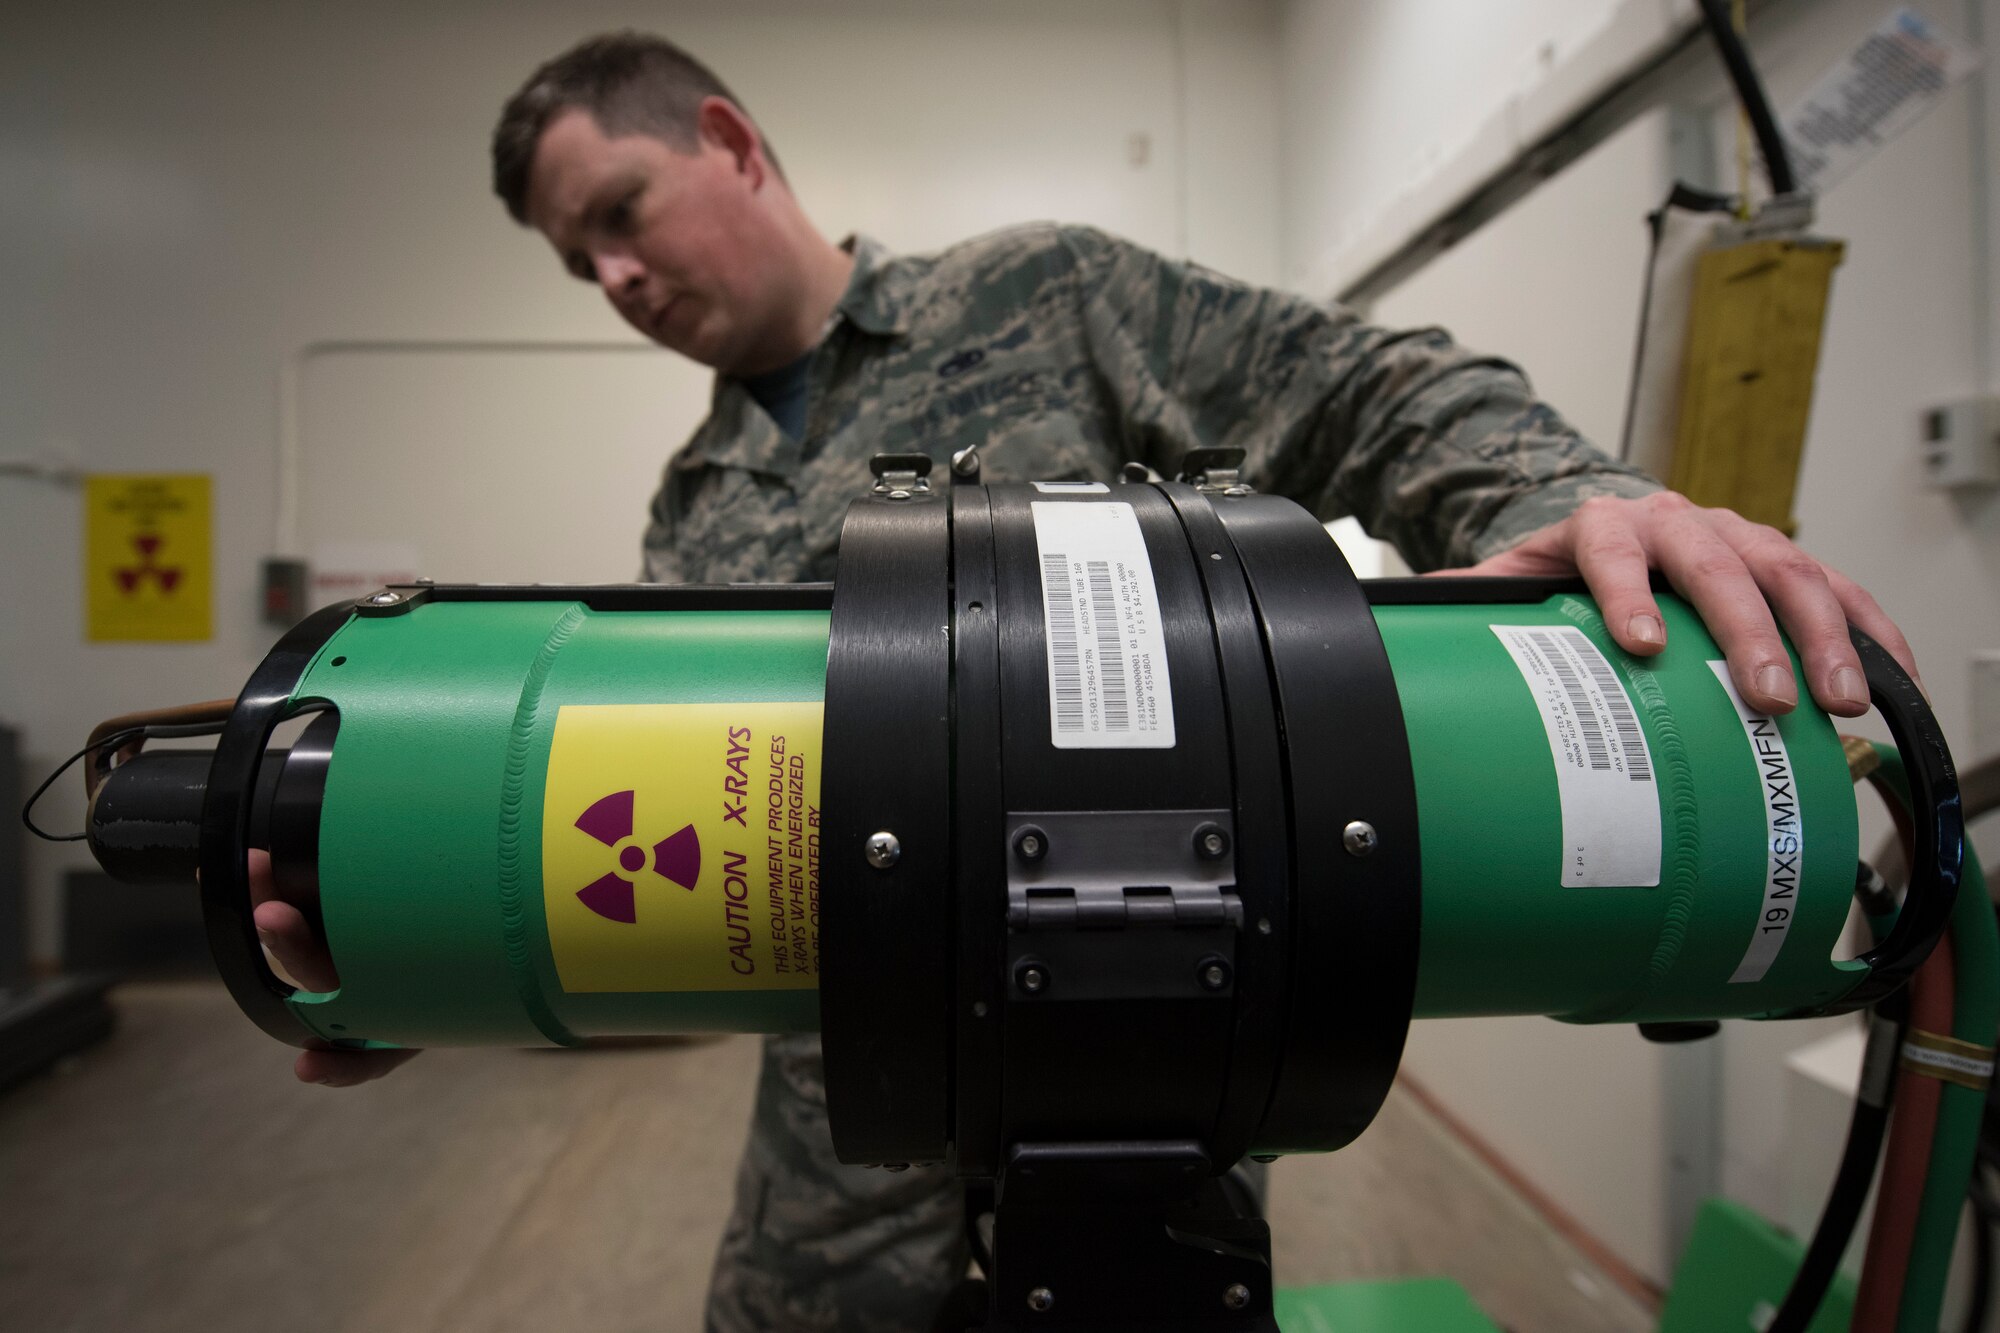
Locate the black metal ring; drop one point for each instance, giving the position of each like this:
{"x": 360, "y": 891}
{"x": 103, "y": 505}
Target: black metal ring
{"x": 1264, "y": 883}
{"x": 226, "y": 908}
{"x": 885, "y": 971}
{"x": 1937, "y": 830}
{"x": 1347, "y": 756}
{"x": 978, "y": 831}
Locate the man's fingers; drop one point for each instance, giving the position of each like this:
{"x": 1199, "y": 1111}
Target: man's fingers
{"x": 289, "y": 936}
{"x": 344, "y": 1069}
{"x": 1743, "y": 579}
{"x": 1610, "y": 554}
{"x": 1864, "y": 611}
{"x": 262, "y": 887}
{"x": 284, "y": 930}
{"x": 1710, "y": 574}
{"x": 1798, "y": 589}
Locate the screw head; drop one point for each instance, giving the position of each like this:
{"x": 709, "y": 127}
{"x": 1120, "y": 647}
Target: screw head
{"x": 1359, "y": 838}
{"x": 1030, "y": 843}
{"x": 385, "y": 599}
{"x": 1031, "y": 977}
{"x": 1041, "y": 1300}
{"x": 884, "y": 850}
{"x": 1236, "y": 1296}
{"x": 1212, "y": 973}
{"x": 966, "y": 461}
{"x": 1211, "y": 843}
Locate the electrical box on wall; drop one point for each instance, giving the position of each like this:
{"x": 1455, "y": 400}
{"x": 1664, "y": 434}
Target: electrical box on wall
{"x": 284, "y": 582}
{"x": 1962, "y": 443}
{"x": 1985, "y": 706}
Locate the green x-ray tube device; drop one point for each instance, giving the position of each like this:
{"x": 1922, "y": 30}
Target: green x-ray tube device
{"x": 1061, "y": 780}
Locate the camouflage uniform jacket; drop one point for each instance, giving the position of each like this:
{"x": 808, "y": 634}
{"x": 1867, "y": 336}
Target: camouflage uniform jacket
{"x": 1064, "y": 353}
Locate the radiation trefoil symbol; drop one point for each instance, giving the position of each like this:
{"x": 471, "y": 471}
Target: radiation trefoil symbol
{"x": 129, "y": 577}
{"x": 613, "y": 896}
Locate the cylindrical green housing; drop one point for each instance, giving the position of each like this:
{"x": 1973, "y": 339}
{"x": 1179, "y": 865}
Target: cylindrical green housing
{"x": 544, "y": 822}
{"x": 1703, "y": 872}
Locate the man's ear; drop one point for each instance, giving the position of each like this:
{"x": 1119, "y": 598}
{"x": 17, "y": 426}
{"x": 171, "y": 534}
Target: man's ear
{"x": 723, "y": 124}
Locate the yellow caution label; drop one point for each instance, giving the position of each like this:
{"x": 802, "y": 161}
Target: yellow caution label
{"x": 147, "y": 569}
{"x": 680, "y": 847}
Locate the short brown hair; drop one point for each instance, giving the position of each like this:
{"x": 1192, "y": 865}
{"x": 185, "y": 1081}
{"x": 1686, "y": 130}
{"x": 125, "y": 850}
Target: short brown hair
{"x": 629, "y": 82}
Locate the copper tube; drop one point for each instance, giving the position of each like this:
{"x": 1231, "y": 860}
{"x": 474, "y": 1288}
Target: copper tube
{"x": 97, "y": 762}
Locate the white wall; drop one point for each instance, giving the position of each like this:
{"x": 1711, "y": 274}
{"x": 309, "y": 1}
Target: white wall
{"x": 1394, "y": 111}
{"x": 1555, "y": 285}
{"x": 193, "y": 196}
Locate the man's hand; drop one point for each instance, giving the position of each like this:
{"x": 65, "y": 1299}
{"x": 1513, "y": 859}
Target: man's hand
{"x": 1736, "y": 573}
{"x": 285, "y": 931}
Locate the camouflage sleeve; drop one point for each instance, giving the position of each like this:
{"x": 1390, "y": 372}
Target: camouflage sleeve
{"x": 1444, "y": 453}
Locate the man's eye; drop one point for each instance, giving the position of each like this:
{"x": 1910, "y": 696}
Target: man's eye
{"x": 618, "y": 217}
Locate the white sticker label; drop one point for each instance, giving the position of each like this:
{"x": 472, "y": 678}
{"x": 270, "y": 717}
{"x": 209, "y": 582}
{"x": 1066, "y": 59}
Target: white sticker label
{"x": 1604, "y": 769}
{"x": 1899, "y": 72}
{"x": 1072, "y": 488}
{"x": 1783, "y": 844}
{"x": 1108, "y": 682}
{"x": 1954, "y": 1066}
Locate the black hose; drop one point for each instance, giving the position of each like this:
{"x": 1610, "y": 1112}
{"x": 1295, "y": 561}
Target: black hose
{"x": 1865, "y": 1132}
{"x": 1850, "y": 1184}
{"x": 1750, "y": 92}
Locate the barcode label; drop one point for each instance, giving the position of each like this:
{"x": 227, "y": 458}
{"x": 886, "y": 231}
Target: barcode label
{"x": 1110, "y": 647}
{"x": 1107, "y": 656}
{"x": 1604, "y": 767}
{"x": 1065, "y": 666}
{"x": 1631, "y": 740}
{"x": 1579, "y": 700}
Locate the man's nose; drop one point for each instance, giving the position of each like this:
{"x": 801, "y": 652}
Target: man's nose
{"x": 619, "y": 275}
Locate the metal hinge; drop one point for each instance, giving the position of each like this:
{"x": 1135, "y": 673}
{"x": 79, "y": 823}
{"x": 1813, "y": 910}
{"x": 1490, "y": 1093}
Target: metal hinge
{"x": 901, "y": 476}
{"x": 1097, "y": 907}
{"x": 1215, "y": 471}
{"x": 1109, "y": 869}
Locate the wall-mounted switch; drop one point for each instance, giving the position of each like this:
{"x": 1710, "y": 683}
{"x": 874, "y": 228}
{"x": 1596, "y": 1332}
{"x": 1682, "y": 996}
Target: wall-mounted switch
{"x": 284, "y": 591}
{"x": 1985, "y": 710}
{"x": 1962, "y": 443}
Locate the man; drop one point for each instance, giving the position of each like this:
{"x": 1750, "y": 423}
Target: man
{"x": 1062, "y": 353}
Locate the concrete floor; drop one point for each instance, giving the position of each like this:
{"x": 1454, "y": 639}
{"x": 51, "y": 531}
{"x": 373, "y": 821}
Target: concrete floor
{"x": 176, "y": 1180}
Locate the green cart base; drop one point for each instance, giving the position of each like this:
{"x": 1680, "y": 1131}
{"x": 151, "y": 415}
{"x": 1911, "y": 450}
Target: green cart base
{"x": 1731, "y": 1280}
{"x": 1410, "y": 1305}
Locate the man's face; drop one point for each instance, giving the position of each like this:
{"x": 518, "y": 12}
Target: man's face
{"x": 674, "y": 239}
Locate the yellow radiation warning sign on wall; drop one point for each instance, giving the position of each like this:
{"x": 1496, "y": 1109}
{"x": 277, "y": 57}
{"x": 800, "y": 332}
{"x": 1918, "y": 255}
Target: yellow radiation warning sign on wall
{"x": 146, "y": 560}
{"x": 680, "y": 847}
